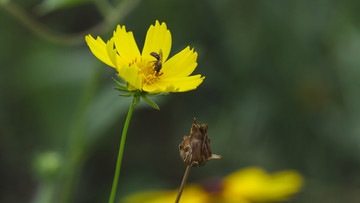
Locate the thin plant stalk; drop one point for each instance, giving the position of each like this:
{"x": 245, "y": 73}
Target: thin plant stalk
{"x": 183, "y": 182}
{"x": 121, "y": 152}
{"x": 111, "y": 15}
{"x": 77, "y": 146}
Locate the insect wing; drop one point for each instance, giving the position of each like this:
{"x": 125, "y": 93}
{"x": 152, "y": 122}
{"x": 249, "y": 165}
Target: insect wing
{"x": 161, "y": 56}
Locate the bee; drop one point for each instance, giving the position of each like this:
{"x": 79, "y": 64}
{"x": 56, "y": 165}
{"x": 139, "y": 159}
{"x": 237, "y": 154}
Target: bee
{"x": 158, "y": 62}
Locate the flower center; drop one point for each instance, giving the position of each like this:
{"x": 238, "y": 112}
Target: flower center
{"x": 146, "y": 68}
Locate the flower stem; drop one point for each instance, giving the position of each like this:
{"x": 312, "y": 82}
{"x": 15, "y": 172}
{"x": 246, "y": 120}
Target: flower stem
{"x": 112, "y": 15}
{"x": 183, "y": 182}
{"x": 121, "y": 151}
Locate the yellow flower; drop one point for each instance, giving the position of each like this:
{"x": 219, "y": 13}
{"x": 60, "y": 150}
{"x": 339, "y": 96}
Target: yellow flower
{"x": 254, "y": 185}
{"x": 149, "y": 71}
{"x": 191, "y": 194}
{"x": 248, "y": 185}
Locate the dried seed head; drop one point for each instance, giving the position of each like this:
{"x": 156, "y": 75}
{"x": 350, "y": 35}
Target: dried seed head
{"x": 195, "y": 149}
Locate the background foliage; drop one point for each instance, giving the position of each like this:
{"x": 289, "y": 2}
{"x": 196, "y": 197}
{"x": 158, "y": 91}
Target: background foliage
{"x": 281, "y": 92}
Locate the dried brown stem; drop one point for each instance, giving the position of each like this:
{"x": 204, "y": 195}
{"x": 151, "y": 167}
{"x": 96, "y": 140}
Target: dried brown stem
{"x": 183, "y": 182}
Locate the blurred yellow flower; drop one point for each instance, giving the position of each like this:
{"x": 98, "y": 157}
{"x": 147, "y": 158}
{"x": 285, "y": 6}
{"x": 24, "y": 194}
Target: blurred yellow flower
{"x": 244, "y": 186}
{"x": 191, "y": 194}
{"x": 254, "y": 185}
{"x": 149, "y": 71}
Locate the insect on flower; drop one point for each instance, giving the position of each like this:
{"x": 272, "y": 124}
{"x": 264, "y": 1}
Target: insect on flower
{"x": 158, "y": 62}
{"x": 149, "y": 70}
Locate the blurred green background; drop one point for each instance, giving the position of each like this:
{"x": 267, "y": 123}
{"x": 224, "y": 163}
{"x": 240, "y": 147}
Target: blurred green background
{"x": 281, "y": 92}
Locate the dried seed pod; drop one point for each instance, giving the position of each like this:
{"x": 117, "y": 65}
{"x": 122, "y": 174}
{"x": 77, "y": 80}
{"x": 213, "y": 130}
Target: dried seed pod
{"x": 195, "y": 149}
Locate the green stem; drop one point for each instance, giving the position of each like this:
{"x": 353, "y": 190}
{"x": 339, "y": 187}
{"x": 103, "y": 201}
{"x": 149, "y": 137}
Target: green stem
{"x": 40, "y": 29}
{"x": 77, "y": 143}
{"x": 112, "y": 16}
{"x": 121, "y": 151}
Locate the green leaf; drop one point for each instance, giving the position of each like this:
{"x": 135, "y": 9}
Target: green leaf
{"x": 150, "y": 102}
{"x": 101, "y": 117}
{"x": 122, "y": 86}
{"x": 127, "y": 94}
{"x": 121, "y": 90}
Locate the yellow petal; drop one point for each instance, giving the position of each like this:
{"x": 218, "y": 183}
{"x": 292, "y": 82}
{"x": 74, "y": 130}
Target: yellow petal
{"x": 158, "y": 87}
{"x": 158, "y": 37}
{"x": 130, "y": 75}
{"x": 154, "y": 88}
{"x": 191, "y": 194}
{"x": 117, "y": 60}
{"x": 174, "y": 84}
{"x": 254, "y": 184}
{"x": 125, "y": 44}
{"x": 111, "y": 52}
{"x": 180, "y": 65}
{"x": 186, "y": 84}
{"x": 281, "y": 185}
{"x": 98, "y": 48}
